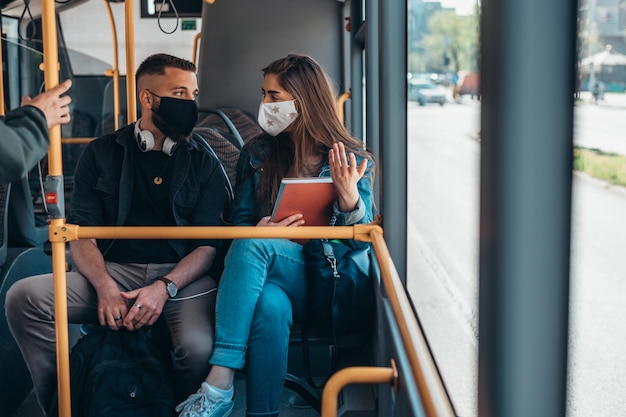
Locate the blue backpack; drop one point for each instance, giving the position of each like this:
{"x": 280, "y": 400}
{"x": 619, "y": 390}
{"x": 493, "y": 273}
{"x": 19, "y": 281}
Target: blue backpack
{"x": 119, "y": 374}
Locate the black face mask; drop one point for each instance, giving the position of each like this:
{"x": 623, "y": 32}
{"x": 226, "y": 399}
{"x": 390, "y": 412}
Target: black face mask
{"x": 180, "y": 114}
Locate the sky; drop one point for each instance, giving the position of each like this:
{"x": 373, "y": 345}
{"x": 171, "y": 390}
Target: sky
{"x": 463, "y": 7}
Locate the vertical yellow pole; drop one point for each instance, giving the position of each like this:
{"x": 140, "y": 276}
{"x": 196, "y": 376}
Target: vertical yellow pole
{"x": 51, "y": 77}
{"x": 1, "y": 83}
{"x": 115, "y": 73}
{"x": 194, "y": 53}
{"x": 131, "y": 98}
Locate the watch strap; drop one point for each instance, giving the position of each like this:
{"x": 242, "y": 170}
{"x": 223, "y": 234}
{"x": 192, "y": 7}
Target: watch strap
{"x": 168, "y": 283}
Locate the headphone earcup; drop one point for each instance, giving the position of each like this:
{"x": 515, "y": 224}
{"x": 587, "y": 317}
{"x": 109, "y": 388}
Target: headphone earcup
{"x": 169, "y": 146}
{"x": 145, "y": 140}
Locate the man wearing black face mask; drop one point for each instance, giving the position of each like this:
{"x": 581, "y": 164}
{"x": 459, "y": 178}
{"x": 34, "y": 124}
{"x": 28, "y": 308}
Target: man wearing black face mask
{"x": 175, "y": 117}
{"x": 146, "y": 174}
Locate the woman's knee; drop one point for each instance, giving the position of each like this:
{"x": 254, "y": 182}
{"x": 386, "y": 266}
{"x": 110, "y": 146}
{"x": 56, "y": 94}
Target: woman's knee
{"x": 273, "y": 308}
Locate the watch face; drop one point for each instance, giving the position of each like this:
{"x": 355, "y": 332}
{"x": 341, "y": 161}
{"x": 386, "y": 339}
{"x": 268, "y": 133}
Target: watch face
{"x": 171, "y": 289}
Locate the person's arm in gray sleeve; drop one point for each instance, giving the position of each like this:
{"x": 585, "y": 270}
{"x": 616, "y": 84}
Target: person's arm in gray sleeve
{"x": 24, "y": 137}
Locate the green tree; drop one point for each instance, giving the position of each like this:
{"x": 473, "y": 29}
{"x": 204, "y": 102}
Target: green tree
{"x": 589, "y": 41}
{"x": 451, "y": 43}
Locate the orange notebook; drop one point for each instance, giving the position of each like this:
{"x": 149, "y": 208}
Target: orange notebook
{"x": 311, "y": 197}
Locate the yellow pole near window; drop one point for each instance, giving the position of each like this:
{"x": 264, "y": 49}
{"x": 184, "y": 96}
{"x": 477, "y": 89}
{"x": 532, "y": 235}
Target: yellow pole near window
{"x": 55, "y": 168}
{"x": 131, "y": 88}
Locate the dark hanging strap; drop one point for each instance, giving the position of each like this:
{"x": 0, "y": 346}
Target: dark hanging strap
{"x": 329, "y": 253}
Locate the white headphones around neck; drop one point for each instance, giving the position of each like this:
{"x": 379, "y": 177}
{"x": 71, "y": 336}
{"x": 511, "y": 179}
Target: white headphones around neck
{"x": 145, "y": 141}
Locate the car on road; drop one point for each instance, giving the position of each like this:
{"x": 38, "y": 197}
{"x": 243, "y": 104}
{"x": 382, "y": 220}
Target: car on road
{"x": 426, "y": 91}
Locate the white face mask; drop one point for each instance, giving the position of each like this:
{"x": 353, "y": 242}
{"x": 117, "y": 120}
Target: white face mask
{"x": 277, "y": 116}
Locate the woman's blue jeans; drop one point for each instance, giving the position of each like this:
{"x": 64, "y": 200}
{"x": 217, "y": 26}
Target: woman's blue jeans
{"x": 261, "y": 292}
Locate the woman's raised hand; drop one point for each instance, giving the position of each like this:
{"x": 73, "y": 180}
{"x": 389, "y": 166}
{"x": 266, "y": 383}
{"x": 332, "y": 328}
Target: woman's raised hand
{"x": 346, "y": 174}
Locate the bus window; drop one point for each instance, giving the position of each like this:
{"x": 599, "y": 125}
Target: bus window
{"x": 443, "y": 140}
{"x": 596, "y": 371}
{"x": 93, "y": 36}
{"x": 11, "y": 53}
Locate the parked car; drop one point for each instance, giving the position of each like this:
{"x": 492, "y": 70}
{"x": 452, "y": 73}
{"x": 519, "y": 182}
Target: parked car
{"x": 426, "y": 91}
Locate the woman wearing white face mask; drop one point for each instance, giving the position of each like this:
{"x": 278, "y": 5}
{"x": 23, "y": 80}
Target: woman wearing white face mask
{"x": 276, "y": 116}
{"x": 262, "y": 291}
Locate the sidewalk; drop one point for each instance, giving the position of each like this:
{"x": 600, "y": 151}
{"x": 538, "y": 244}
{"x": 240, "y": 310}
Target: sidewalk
{"x": 600, "y": 126}
{"x": 610, "y": 100}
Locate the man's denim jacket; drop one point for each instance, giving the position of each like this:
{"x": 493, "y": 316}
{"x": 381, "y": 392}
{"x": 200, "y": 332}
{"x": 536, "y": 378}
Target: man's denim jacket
{"x": 103, "y": 187}
{"x": 244, "y": 210}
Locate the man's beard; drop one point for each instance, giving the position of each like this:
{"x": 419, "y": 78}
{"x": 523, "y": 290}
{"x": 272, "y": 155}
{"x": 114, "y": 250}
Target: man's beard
{"x": 168, "y": 130}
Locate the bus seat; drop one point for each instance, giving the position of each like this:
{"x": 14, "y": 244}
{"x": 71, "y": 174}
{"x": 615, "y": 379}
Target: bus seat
{"x": 222, "y": 124}
{"x": 231, "y": 119}
{"x": 107, "y": 122}
{"x": 225, "y": 150}
{"x": 24, "y": 229}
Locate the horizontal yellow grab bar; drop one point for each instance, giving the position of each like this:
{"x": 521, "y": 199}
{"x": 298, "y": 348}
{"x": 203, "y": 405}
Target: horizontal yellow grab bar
{"x": 354, "y": 375}
{"x": 69, "y": 232}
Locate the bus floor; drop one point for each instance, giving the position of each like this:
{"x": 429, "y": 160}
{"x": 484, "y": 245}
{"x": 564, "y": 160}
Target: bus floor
{"x": 30, "y": 408}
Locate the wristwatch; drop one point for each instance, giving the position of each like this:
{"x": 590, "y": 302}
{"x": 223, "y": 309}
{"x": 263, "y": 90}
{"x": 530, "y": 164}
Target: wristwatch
{"x": 171, "y": 287}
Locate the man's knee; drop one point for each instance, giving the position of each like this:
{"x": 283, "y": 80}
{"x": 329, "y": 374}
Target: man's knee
{"x": 192, "y": 349}
{"x": 191, "y": 363}
{"x": 22, "y": 296}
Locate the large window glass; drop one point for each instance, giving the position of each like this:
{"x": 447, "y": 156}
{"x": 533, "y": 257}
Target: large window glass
{"x": 443, "y": 112}
{"x": 597, "y": 369}
{"x": 444, "y": 153}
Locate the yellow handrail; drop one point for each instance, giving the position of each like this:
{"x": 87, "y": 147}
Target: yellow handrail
{"x": 115, "y": 71}
{"x": 55, "y": 168}
{"x": 76, "y": 141}
{"x": 355, "y": 375}
{"x": 194, "y": 53}
{"x": 131, "y": 88}
{"x": 69, "y": 232}
{"x": 340, "y": 102}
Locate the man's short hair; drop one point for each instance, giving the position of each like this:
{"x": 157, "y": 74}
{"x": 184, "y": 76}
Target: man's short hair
{"x": 157, "y": 63}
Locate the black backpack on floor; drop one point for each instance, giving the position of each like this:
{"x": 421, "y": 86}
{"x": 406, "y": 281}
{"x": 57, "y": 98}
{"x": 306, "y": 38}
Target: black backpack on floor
{"x": 119, "y": 374}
